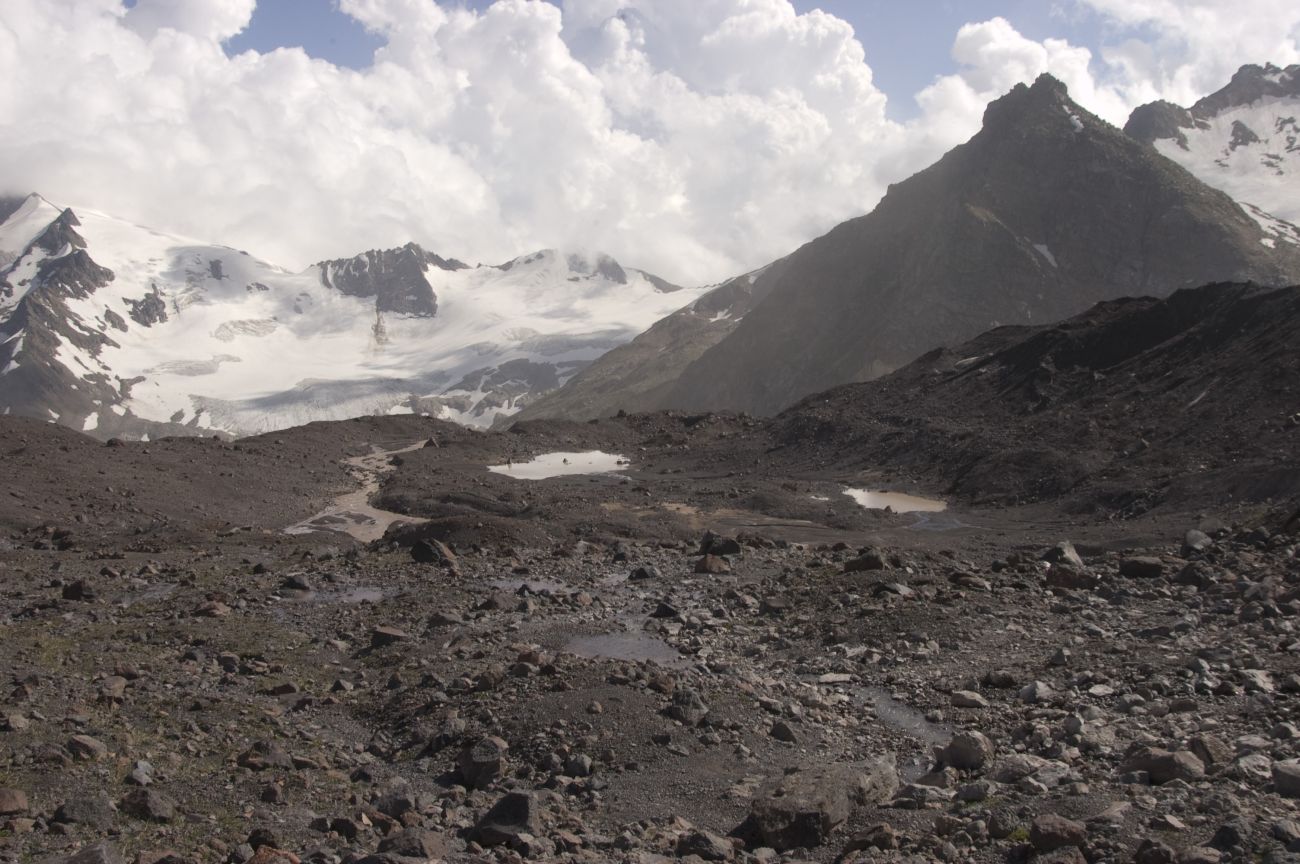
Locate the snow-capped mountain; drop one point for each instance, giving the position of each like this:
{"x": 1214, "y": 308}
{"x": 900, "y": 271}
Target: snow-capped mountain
{"x": 118, "y": 329}
{"x": 1243, "y": 139}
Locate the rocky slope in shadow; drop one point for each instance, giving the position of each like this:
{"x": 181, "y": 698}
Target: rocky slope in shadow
{"x": 1043, "y": 213}
{"x": 1133, "y": 404}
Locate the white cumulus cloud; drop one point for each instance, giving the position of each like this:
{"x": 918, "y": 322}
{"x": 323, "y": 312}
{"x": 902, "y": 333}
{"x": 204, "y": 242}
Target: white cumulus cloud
{"x": 694, "y": 138}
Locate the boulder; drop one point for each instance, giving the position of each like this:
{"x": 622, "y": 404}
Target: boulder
{"x": 382, "y": 636}
{"x": 803, "y": 808}
{"x": 415, "y": 843}
{"x": 687, "y": 707}
{"x": 716, "y": 544}
{"x": 148, "y": 805}
{"x": 869, "y": 560}
{"x": 713, "y": 564}
{"x": 1142, "y": 567}
{"x": 94, "y": 811}
{"x": 1164, "y": 765}
{"x": 514, "y": 814}
{"x": 967, "y": 751}
{"x": 265, "y": 755}
{"x": 1064, "y": 553}
{"x": 100, "y": 853}
{"x": 13, "y": 802}
{"x": 483, "y": 763}
{"x": 87, "y": 748}
{"x": 1050, "y": 832}
{"x": 1286, "y": 778}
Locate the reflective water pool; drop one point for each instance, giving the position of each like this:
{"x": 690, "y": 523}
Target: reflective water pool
{"x": 898, "y": 502}
{"x": 560, "y": 464}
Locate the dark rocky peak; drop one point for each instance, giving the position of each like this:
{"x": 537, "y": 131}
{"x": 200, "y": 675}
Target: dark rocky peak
{"x": 1046, "y": 101}
{"x": 394, "y": 277}
{"x": 1250, "y": 84}
{"x": 663, "y": 286}
{"x": 75, "y": 275}
{"x": 61, "y": 234}
{"x": 1157, "y": 121}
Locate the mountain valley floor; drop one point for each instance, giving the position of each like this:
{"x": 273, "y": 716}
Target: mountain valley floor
{"x": 709, "y": 654}
{"x": 554, "y": 669}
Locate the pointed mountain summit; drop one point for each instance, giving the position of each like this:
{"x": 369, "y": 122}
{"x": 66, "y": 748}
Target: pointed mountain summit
{"x": 1046, "y": 211}
{"x": 1243, "y": 139}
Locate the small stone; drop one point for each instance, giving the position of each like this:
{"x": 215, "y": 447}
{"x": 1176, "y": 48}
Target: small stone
{"x": 435, "y": 552}
{"x": 968, "y": 699}
{"x": 687, "y": 707}
{"x": 579, "y": 765}
{"x": 95, "y": 811}
{"x": 1036, "y": 692}
{"x": 705, "y": 845}
{"x": 1050, "y": 832}
{"x": 79, "y": 590}
{"x": 1163, "y": 766}
{"x": 1196, "y": 541}
{"x": 513, "y": 815}
{"x": 141, "y": 774}
{"x": 265, "y": 755}
{"x": 868, "y": 561}
{"x": 383, "y": 636}
{"x": 415, "y": 843}
{"x": 100, "y": 853}
{"x": 1286, "y": 778}
{"x": 1142, "y": 567}
{"x": 781, "y": 731}
{"x": 1152, "y": 851}
{"x": 149, "y": 805}
{"x": 967, "y": 751}
{"x": 86, "y": 748}
{"x": 1064, "y": 553}
{"x": 712, "y": 564}
{"x": 212, "y": 609}
{"x": 1257, "y": 681}
{"x": 483, "y": 763}
{"x": 716, "y": 544}
{"x": 12, "y": 802}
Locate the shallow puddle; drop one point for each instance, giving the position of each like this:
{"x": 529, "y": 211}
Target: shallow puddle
{"x": 151, "y": 594}
{"x": 633, "y": 646}
{"x": 347, "y": 596}
{"x": 902, "y": 717}
{"x": 561, "y": 464}
{"x": 897, "y": 502}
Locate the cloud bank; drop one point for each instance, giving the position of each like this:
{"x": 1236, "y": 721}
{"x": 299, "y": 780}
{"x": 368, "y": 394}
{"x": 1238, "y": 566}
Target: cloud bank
{"x": 693, "y": 138}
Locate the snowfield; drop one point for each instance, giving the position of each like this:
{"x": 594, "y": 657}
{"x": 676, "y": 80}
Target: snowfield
{"x": 217, "y": 339}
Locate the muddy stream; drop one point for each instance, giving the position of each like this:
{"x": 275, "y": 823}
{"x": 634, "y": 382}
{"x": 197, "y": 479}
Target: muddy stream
{"x": 352, "y": 513}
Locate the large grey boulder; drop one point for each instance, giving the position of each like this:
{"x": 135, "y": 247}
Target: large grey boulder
{"x": 803, "y": 808}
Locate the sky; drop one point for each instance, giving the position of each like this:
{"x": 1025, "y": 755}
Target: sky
{"x": 907, "y": 45}
{"x": 695, "y": 139}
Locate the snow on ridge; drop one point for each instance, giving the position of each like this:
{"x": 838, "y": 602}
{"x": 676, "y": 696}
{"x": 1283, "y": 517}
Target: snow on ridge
{"x": 25, "y": 224}
{"x": 1251, "y": 152}
{"x": 243, "y": 346}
